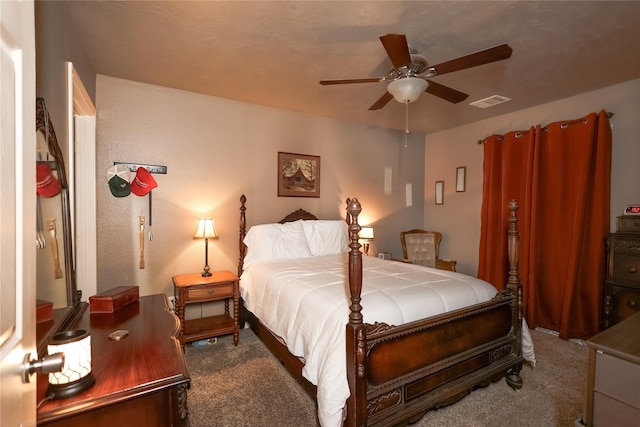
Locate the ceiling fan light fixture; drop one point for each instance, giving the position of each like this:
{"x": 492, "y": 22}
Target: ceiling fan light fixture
{"x": 407, "y": 89}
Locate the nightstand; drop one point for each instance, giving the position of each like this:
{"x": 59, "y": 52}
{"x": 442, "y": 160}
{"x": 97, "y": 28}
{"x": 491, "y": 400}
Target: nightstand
{"x": 193, "y": 288}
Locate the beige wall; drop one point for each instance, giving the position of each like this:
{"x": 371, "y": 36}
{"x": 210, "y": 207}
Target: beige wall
{"x": 216, "y": 150}
{"x": 459, "y": 218}
{"x": 192, "y": 134}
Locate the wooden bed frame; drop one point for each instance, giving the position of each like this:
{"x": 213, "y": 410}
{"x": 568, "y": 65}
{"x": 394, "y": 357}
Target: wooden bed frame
{"x": 398, "y": 373}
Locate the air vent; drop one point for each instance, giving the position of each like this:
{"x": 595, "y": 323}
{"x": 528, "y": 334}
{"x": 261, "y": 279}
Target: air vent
{"x": 490, "y": 101}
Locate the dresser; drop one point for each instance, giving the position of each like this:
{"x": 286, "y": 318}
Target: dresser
{"x": 140, "y": 380}
{"x": 613, "y": 394}
{"x": 622, "y": 285}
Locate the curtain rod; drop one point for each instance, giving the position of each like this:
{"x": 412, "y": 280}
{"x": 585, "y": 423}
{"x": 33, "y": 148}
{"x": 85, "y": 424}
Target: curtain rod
{"x": 608, "y": 115}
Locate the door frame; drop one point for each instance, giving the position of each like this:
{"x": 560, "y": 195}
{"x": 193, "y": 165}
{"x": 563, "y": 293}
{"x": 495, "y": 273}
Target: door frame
{"x": 82, "y": 179}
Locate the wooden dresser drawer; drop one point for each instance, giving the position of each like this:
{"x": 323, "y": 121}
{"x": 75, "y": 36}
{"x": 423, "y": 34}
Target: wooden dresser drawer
{"x": 203, "y": 293}
{"x": 616, "y": 395}
{"x": 626, "y": 269}
{"x": 611, "y": 412}
{"x": 629, "y": 223}
{"x": 625, "y": 303}
{"x": 626, "y": 244}
{"x": 618, "y": 379}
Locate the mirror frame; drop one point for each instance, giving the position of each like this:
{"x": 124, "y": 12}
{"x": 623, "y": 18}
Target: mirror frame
{"x": 63, "y": 317}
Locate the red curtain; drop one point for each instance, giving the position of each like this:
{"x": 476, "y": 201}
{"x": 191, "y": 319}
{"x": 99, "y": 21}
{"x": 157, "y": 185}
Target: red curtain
{"x": 560, "y": 175}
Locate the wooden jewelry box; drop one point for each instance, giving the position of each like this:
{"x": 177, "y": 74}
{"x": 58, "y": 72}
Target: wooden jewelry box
{"x": 114, "y": 299}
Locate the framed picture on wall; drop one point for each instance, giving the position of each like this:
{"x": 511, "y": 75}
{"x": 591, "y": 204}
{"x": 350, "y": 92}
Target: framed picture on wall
{"x": 461, "y": 176}
{"x": 298, "y": 175}
{"x": 439, "y": 192}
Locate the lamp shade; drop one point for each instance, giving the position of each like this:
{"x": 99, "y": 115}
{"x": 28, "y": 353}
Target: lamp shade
{"x": 407, "y": 89}
{"x": 206, "y": 229}
{"x": 76, "y": 373}
{"x": 366, "y": 233}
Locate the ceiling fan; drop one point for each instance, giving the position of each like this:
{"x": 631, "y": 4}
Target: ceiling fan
{"x": 411, "y": 72}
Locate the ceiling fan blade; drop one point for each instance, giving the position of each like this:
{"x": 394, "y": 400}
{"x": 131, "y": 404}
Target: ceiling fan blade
{"x": 486, "y": 56}
{"x": 445, "y": 92}
{"x": 347, "y": 81}
{"x": 384, "y": 99}
{"x": 397, "y": 49}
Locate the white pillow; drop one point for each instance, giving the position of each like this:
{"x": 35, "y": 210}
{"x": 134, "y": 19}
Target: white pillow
{"x": 326, "y": 237}
{"x": 275, "y": 241}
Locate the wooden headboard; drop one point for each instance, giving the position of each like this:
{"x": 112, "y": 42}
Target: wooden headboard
{"x": 299, "y": 214}
{"x": 293, "y": 216}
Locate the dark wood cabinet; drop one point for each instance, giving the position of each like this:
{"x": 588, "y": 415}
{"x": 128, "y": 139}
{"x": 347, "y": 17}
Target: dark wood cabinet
{"x": 140, "y": 380}
{"x": 622, "y": 285}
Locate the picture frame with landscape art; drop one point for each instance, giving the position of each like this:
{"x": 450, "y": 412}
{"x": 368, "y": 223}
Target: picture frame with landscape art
{"x": 298, "y": 175}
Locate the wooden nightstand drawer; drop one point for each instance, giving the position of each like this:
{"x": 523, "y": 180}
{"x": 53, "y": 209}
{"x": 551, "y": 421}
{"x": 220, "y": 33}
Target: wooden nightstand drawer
{"x": 626, "y": 269}
{"x": 203, "y": 293}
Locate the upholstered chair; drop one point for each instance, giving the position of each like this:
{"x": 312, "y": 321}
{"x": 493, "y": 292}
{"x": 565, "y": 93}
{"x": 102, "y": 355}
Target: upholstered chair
{"x": 422, "y": 247}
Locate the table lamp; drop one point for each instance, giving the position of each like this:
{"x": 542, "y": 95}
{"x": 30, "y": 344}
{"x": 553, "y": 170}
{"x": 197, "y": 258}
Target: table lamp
{"x": 366, "y": 234}
{"x": 206, "y": 230}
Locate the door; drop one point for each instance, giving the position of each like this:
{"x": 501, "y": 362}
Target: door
{"x": 17, "y": 211}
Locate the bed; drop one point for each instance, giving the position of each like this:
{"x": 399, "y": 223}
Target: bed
{"x": 372, "y": 353}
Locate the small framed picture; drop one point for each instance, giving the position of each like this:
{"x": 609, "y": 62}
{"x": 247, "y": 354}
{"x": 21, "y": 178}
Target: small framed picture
{"x": 461, "y": 176}
{"x": 298, "y": 175}
{"x": 439, "y": 192}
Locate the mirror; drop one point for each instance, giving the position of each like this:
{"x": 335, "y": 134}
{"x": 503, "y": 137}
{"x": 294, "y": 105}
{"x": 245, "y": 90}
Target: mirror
{"x": 58, "y": 299}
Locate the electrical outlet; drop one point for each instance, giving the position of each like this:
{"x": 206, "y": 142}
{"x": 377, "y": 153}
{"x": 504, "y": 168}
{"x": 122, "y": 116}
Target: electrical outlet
{"x": 172, "y": 303}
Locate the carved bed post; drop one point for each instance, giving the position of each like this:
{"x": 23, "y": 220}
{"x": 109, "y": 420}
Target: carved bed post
{"x": 515, "y": 288}
{"x": 242, "y": 234}
{"x": 355, "y": 337}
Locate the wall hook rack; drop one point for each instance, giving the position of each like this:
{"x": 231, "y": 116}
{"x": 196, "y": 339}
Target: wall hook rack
{"x": 133, "y": 167}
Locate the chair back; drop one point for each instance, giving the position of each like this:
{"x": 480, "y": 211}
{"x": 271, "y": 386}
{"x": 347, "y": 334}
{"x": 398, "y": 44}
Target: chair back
{"x": 421, "y": 246}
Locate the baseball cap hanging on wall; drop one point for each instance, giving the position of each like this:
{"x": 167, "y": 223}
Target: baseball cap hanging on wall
{"x": 46, "y": 184}
{"x": 118, "y": 178}
{"x": 143, "y": 182}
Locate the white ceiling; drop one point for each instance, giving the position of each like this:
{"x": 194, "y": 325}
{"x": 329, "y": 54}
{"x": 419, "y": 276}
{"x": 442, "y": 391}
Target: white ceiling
{"x": 274, "y": 53}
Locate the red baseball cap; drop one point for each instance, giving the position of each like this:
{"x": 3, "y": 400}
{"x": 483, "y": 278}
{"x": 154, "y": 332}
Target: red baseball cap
{"x": 46, "y": 184}
{"x": 143, "y": 183}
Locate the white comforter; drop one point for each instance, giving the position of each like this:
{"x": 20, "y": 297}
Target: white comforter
{"x": 306, "y": 302}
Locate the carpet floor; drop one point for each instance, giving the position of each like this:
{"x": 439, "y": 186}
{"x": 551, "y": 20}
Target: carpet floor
{"x": 246, "y": 386}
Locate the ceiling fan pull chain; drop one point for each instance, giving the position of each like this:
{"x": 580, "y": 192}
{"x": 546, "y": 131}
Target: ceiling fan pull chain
{"x": 406, "y": 123}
